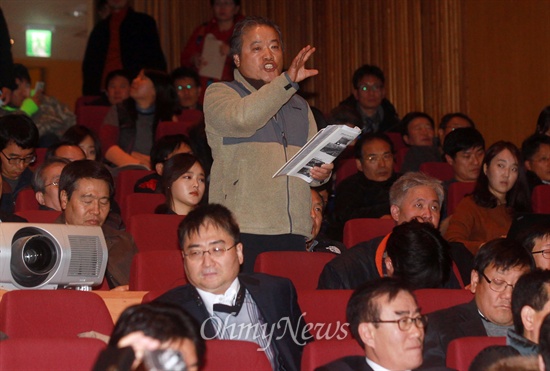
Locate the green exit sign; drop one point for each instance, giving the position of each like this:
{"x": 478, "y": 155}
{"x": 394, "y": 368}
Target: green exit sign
{"x": 39, "y": 43}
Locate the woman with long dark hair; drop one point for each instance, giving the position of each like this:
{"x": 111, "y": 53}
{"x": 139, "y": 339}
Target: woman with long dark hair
{"x": 128, "y": 131}
{"x": 184, "y": 184}
{"x": 86, "y": 139}
{"x": 501, "y": 190}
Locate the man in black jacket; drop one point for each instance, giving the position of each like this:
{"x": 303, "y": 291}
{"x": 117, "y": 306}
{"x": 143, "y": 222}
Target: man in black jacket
{"x": 250, "y": 306}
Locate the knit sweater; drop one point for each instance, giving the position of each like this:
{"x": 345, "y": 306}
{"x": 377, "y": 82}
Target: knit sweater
{"x": 473, "y": 225}
{"x": 241, "y": 176}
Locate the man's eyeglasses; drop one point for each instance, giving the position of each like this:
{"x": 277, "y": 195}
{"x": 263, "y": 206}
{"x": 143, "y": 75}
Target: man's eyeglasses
{"x": 18, "y": 160}
{"x": 55, "y": 184}
{"x": 374, "y": 88}
{"x": 405, "y": 323}
{"x": 496, "y": 284}
{"x": 545, "y": 253}
{"x": 215, "y": 252}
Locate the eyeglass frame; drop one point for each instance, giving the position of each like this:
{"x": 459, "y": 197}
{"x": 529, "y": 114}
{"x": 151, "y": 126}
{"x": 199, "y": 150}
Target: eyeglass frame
{"x": 19, "y": 160}
{"x": 56, "y": 183}
{"x": 506, "y": 284}
{"x": 545, "y": 251}
{"x": 422, "y": 320}
{"x": 198, "y": 257}
{"x": 375, "y": 88}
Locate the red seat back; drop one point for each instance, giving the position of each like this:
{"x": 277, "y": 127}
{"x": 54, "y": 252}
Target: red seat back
{"x": 155, "y": 231}
{"x": 125, "y": 182}
{"x": 26, "y": 200}
{"x": 92, "y": 116}
{"x": 302, "y": 268}
{"x": 346, "y": 168}
{"x": 365, "y": 229}
{"x": 430, "y": 300}
{"x": 234, "y": 355}
{"x": 53, "y": 313}
{"x": 326, "y": 311}
{"x": 439, "y": 170}
{"x": 39, "y": 216}
{"x": 400, "y": 157}
{"x": 49, "y": 354}
{"x": 159, "y": 270}
{"x": 319, "y": 353}
{"x": 140, "y": 203}
{"x": 397, "y": 140}
{"x": 540, "y": 199}
{"x": 456, "y": 192}
{"x": 83, "y": 100}
{"x": 462, "y": 351}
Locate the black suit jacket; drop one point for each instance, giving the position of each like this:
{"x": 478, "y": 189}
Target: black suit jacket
{"x": 278, "y": 304}
{"x": 351, "y": 363}
{"x": 446, "y": 325}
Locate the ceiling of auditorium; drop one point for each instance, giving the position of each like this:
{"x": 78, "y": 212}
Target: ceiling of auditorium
{"x": 69, "y": 21}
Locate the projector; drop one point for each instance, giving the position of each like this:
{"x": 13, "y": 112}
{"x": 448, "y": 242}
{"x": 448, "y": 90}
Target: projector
{"x": 51, "y": 256}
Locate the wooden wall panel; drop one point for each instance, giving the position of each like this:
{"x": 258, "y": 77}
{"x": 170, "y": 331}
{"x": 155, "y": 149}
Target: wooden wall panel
{"x": 507, "y": 68}
{"x": 488, "y": 58}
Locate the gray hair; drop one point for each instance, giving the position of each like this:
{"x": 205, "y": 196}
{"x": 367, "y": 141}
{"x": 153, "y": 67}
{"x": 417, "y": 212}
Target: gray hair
{"x": 236, "y": 41}
{"x": 38, "y": 181}
{"x": 410, "y": 180}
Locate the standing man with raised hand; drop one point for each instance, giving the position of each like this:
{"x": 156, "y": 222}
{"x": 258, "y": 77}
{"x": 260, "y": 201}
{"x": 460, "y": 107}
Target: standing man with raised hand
{"x": 254, "y": 125}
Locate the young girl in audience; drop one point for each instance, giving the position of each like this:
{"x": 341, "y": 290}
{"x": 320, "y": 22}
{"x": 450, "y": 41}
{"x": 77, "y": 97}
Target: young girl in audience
{"x": 128, "y": 131}
{"x": 501, "y": 190}
{"x": 86, "y": 139}
{"x": 184, "y": 184}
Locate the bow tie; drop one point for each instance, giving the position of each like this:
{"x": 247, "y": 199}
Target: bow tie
{"x": 232, "y": 309}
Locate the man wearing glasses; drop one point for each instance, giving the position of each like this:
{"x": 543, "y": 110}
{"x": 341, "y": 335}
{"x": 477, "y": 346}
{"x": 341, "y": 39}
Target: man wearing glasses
{"x": 18, "y": 139}
{"x": 497, "y": 267}
{"x": 385, "y": 319}
{"x": 537, "y": 241}
{"x": 228, "y": 305}
{"x": 369, "y": 100}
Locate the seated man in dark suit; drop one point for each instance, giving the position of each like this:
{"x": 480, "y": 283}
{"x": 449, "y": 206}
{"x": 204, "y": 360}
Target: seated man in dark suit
{"x": 497, "y": 267}
{"x": 413, "y": 196}
{"x": 366, "y": 193}
{"x": 385, "y": 319}
{"x": 464, "y": 149}
{"x": 209, "y": 237}
{"x": 530, "y": 304}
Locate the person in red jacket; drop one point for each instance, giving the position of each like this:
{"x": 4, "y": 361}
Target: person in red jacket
{"x": 226, "y": 15}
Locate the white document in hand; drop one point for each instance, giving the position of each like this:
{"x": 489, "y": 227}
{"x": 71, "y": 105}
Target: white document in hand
{"x": 214, "y": 60}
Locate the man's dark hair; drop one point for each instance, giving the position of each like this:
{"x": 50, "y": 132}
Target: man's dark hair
{"x": 528, "y": 237}
{"x": 449, "y": 116}
{"x": 531, "y": 290}
{"x": 367, "y": 138}
{"x": 362, "y": 305}
{"x": 343, "y": 115}
{"x": 544, "y": 341}
{"x": 117, "y": 73}
{"x": 490, "y": 355}
{"x": 212, "y": 214}
{"x": 518, "y": 198}
{"x": 367, "y": 70}
{"x": 409, "y": 117}
{"x": 21, "y": 72}
{"x": 165, "y": 145}
{"x": 462, "y": 139}
{"x": 19, "y": 129}
{"x": 236, "y": 41}
{"x": 419, "y": 254}
{"x": 543, "y": 122}
{"x": 183, "y": 72}
{"x": 77, "y": 133}
{"x": 162, "y": 321}
{"x": 531, "y": 145}
{"x": 504, "y": 254}
{"x": 50, "y": 152}
{"x": 38, "y": 181}
{"x": 84, "y": 169}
